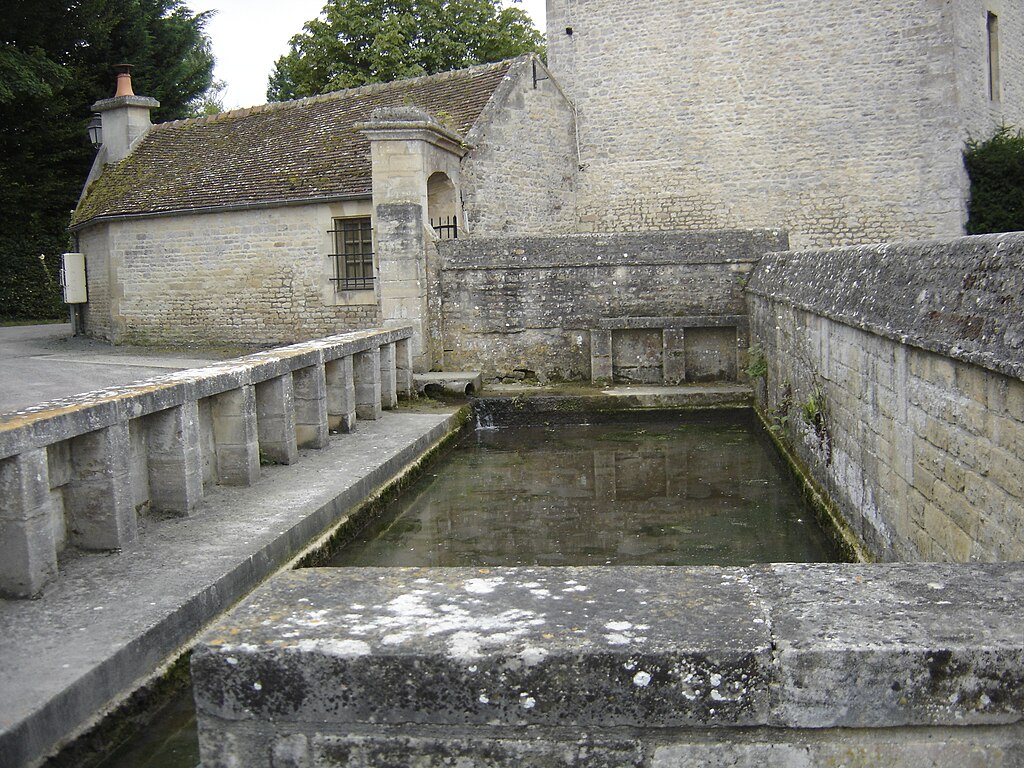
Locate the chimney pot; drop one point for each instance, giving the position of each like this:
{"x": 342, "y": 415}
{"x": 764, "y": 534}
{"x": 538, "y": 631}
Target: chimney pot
{"x": 124, "y": 80}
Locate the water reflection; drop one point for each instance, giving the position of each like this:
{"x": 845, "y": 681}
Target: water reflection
{"x": 708, "y": 490}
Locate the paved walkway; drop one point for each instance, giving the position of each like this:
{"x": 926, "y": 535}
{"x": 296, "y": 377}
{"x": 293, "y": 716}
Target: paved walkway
{"x": 45, "y": 362}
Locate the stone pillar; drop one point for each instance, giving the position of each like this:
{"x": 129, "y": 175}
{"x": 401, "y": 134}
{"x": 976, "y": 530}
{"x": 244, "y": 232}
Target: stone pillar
{"x": 366, "y": 371}
{"x": 601, "y": 356}
{"x": 310, "y": 386}
{"x": 388, "y": 386}
{"x": 275, "y": 420}
{"x": 28, "y": 549}
{"x": 407, "y": 146}
{"x": 235, "y": 436}
{"x": 403, "y": 369}
{"x": 175, "y": 459}
{"x": 673, "y": 356}
{"x": 341, "y": 395}
{"x": 98, "y": 499}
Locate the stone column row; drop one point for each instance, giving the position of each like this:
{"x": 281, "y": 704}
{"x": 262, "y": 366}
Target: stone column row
{"x": 263, "y": 423}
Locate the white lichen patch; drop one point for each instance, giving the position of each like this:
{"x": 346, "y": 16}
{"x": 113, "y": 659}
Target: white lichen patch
{"x": 309, "y": 619}
{"x": 532, "y": 656}
{"x": 482, "y": 586}
{"x": 342, "y": 647}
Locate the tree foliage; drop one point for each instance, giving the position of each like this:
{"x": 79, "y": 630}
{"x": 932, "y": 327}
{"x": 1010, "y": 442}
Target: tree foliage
{"x": 355, "y": 42}
{"x": 996, "y": 168}
{"x": 56, "y": 60}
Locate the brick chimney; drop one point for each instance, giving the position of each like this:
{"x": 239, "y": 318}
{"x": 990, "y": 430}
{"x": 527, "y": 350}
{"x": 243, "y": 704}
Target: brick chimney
{"x": 125, "y": 117}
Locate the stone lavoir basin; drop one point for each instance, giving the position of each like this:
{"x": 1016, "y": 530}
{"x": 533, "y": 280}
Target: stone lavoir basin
{"x": 707, "y": 488}
{"x": 697, "y": 488}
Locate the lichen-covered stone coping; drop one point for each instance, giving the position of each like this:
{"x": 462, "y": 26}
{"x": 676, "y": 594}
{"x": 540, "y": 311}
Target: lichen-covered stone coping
{"x": 627, "y": 249}
{"x": 963, "y": 298}
{"x": 785, "y": 646}
{"x": 57, "y": 420}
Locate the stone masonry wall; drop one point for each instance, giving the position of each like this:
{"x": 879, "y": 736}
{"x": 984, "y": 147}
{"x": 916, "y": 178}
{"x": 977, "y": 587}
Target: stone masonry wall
{"x": 897, "y": 373}
{"x": 254, "y": 277}
{"x": 516, "y": 307}
{"x": 520, "y": 176}
{"x": 844, "y": 127}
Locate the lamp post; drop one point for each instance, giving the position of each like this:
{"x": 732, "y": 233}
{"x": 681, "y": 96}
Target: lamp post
{"x": 95, "y": 130}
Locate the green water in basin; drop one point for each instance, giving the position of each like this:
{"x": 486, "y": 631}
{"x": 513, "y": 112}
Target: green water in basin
{"x": 699, "y": 490}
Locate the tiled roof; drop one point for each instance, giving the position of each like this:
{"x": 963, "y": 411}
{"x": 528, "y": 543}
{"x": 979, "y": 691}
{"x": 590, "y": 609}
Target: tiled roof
{"x": 278, "y": 153}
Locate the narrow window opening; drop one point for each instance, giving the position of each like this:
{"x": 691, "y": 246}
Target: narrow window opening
{"x": 353, "y": 254}
{"x": 992, "y": 27}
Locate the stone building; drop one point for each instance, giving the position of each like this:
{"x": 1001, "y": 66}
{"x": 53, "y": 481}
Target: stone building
{"x": 295, "y": 220}
{"x": 300, "y": 219}
{"x": 841, "y": 123}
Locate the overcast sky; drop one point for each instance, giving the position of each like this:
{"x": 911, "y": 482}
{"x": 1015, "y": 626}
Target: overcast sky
{"x": 250, "y": 35}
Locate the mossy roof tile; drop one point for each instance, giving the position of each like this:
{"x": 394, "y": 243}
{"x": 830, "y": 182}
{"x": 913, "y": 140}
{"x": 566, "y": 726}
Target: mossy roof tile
{"x": 278, "y": 153}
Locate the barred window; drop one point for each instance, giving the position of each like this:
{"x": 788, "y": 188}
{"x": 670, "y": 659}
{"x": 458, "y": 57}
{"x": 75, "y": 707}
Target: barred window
{"x": 353, "y": 254}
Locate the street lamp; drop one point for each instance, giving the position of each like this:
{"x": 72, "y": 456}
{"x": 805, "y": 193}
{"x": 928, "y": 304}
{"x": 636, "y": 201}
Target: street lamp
{"x": 95, "y": 129}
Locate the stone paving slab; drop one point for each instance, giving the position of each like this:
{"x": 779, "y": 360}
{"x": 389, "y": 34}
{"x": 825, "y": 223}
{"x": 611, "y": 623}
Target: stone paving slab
{"x": 111, "y": 620}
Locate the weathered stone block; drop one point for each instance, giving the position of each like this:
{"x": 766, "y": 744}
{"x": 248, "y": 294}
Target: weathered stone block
{"x": 236, "y": 436}
{"x": 28, "y": 550}
{"x": 174, "y": 458}
{"x": 922, "y": 644}
{"x": 366, "y": 373}
{"x": 99, "y": 503}
{"x": 388, "y": 377}
{"x": 275, "y": 420}
{"x": 310, "y": 391}
{"x": 341, "y": 394}
{"x": 521, "y": 648}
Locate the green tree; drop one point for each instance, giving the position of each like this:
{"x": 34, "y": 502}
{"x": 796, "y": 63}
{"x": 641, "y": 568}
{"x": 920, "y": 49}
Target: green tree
{"x": 355, "y": 42}
{"x": 56, "y": 60}
{"x": 996, "y": 169}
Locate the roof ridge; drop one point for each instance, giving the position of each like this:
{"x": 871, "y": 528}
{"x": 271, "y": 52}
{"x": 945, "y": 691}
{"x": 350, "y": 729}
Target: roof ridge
{"x": 359, "y": 90}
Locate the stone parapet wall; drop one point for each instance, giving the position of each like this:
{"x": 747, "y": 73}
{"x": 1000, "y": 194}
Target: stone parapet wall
{"x": 782, "y": 665}
{"x": 528, "y": 305}
{"x": 82, "y": 471}
{"x": 897, "y": 373}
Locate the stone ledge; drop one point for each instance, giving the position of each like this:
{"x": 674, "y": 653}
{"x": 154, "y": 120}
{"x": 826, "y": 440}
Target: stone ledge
{"x": 521, "y": 654}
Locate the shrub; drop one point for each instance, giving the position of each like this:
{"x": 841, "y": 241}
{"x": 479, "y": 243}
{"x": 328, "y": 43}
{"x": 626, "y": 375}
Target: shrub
{"x": 996, "y": 169}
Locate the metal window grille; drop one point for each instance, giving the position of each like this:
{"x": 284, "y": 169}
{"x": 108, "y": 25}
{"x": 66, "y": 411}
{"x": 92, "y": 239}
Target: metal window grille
{"x": 447, "y": 228}
{"x": 353, "y": 254}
